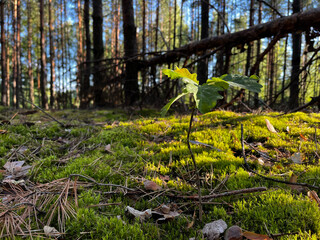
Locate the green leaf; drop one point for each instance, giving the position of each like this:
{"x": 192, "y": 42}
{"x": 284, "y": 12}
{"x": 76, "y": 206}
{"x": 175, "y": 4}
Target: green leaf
{"x": 182, "y": 73}
{"x": 218, "y": 82}
{"x": 165, "y": 109}
{"x": 206, "y": 97}
{"x": 249, "y": 83}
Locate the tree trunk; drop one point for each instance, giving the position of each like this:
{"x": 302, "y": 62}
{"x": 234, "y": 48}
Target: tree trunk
{"x": 43, "y": 71}
{"x": 18, "y": 54}
{"x": 14, "y": 53}
{"x": 30, "y": 67}
{"x": 52, "y": 57}
{"x": 79, "y": 52}
{"x": 296, "y": 52}
{"x": 131, "y": 87}
{"x": 294, "y": 23}
{"x": 98, "y": 52}
{"x": 84, "y": 88}
{"x": 5, "y": 82}
{"x": 203, "y": 64}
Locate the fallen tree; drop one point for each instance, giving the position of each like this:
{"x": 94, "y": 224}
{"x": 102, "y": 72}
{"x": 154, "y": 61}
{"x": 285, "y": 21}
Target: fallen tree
{"x": 298, "y": 22}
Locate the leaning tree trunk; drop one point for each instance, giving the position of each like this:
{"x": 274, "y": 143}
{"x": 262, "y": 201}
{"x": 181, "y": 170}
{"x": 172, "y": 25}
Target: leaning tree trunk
{"x": 98, "y": 52}
{"x": 131, "y": 87}
{"x": 296, "y": 52}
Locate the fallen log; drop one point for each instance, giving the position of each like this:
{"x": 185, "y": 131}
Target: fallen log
{"x": 298, "y": 22}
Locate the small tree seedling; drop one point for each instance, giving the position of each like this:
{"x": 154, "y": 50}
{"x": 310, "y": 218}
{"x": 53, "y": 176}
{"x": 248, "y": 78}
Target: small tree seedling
{"x": 205, "y": 98}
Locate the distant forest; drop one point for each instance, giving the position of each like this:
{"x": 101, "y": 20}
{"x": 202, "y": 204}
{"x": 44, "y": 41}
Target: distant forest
{"x": 91, "y": 53}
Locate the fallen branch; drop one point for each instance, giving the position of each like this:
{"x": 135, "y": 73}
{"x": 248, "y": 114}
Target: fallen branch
{"x": 101, "y": 184}
{"x": 225, "y": 194}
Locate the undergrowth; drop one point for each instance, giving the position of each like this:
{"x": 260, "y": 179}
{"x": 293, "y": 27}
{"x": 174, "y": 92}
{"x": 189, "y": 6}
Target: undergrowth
{"x": 143, "y": 147}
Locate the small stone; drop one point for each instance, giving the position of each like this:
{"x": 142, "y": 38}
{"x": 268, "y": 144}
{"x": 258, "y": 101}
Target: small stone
{"x": 233, "y": 233}
{"x": 212, "y": 231}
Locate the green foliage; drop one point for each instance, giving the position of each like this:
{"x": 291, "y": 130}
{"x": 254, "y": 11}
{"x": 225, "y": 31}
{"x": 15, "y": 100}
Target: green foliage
{"x": 207, "y": 94}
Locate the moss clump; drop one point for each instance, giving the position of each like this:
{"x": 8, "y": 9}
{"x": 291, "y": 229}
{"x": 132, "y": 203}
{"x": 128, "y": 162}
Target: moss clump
{"x": 154, "y": 148}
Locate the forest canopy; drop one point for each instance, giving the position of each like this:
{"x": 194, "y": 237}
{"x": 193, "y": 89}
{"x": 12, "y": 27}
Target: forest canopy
{"x": 79, "y": 54}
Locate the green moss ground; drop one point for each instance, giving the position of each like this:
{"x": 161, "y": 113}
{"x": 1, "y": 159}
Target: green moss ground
{"x": 145, "y": 145}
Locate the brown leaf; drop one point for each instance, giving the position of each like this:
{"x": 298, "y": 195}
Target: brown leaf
{"x": 293, "y": 179}
{"x": 255, "y": 236}
{"x": 3, "y": 131}
{"x": 313, "y": 196}
{"x": 270, "y": 127}
{"x": 150, "y": 185}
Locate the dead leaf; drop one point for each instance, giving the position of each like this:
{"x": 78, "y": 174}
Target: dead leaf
{"x": 313, "y": 196}
{"x": 264, "y": 162}
{"x": 3, "y": 131}
{"x": 107, "y": 148}
{"x": 303, "y": 137}
{"x": 255, "y": 236}
{"x": 139, "y": 214}
{"x": 16, "y": 169}
{"x": 165, "y": 209}
{"x": 270, "y": 127}
{"x": 294, "y": 179}
{"x": 162, "y": 218}
{"x": 296, "y": 158}
{"x": 150, "y": 185}
{"x": 164, "y": 178}
{"x": 233, "y": 233}
{"x": 51, "y": 232}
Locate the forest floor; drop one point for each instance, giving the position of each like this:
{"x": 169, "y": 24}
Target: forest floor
{"x": 105, "y": 174}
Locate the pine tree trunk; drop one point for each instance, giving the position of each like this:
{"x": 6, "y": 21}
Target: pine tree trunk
{"x": 79, "y": 53}
{"x": 43, "y": 71}
{"x": 131, "y": 88}
{"x": 52, "y": 57}
{"x": 84, "y": 88}
{"x": 203, "y": 64}
{"x": 18, "y": 55}
{"x": 98, "y": 53}
{"x": 30, "y": 66}
{"x": 296, "y": 52}
{"x": 5, "y": 83}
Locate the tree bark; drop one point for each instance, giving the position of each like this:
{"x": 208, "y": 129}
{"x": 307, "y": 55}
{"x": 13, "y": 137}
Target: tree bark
{"x": 98, "y": 52}
{"x": 30, "y": 66}
{"x": 203, "y": 64}
{"x": 131, "y": 88}
{"x": 43, "y": 71}
{"x": 296, "y": 54}
{"x": 84, "y": 88}
{"x": 294, "y": 23}
{"x": 5, "y": 82}
{"x": 18, "y": 55}
{"x": 52, "y": 57}
{"x": 79, "y": 52}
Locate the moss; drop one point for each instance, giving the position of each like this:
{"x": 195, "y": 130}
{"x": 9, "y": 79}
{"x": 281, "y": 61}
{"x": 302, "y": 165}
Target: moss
{"x": 151, "y": 147}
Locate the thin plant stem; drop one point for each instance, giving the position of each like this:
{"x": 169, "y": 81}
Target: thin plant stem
{"x": 195, "y": 164}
